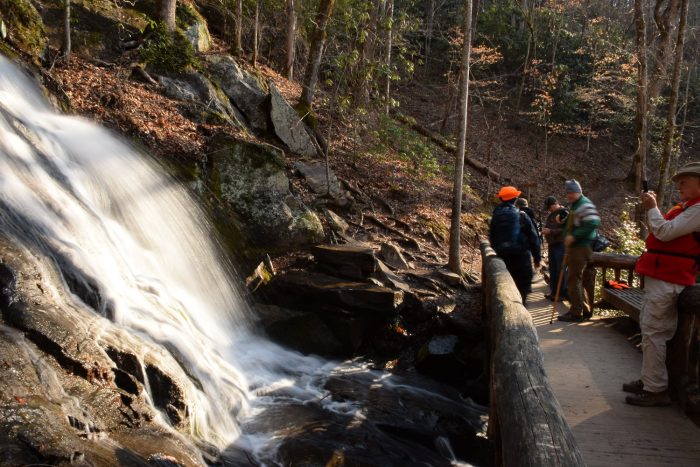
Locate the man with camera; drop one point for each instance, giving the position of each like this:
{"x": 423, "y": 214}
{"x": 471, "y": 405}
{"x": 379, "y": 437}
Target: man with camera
{"x": 669, "y": 264}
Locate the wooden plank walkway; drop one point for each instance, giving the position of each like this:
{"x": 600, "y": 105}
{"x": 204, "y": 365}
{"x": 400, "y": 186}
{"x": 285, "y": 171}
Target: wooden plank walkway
{"x": 586, "y": 364}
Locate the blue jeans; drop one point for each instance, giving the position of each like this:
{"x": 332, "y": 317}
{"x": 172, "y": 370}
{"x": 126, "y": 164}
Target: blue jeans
{"x": 556, "y": 258}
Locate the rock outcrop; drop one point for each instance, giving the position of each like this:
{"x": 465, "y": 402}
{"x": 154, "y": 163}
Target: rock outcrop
{"x": 69, "y": 380}
{"x": 252, "y": 179}
{"x": 204, "y": 102}
{"x": 246, "y": 92}
{"x": 289, "y": 126}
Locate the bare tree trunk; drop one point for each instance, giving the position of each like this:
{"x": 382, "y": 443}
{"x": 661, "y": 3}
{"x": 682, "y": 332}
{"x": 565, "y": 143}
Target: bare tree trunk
{"x": 455, "y": 261}
{"x": 388, "y": 40}
{"x": 238, "y": 31}
{"x": 66, "y": 48}
{"x": 165, "y": 11}
{"x": 318, "y": 38}
{"x": 664, "y": 22}
{"x": 429, "y": 20}
{"x": 640, "y": 156}
{"x": 362, "y": 78}
{"x": 530, "y": 44}
{"x": 669, "y": 136}
{"x": 291, "y": 39}
{"x": 256, "y": 33}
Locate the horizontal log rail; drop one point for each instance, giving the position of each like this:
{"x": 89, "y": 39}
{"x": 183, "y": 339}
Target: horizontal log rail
{"x": 526, "y": 422}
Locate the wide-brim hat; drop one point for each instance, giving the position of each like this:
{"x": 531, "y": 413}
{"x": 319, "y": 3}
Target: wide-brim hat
{"x": 508, "y": 192}
{"x": 692, "y": 168}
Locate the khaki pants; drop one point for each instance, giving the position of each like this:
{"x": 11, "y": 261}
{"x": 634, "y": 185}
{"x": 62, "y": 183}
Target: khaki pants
{"x": 658, "y": 321}
{"x": 578, "y": 259}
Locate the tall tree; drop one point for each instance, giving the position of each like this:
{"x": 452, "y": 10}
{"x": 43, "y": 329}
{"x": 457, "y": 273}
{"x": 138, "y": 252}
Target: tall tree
{"x": 318, "y": 39}
{"x": 388, "y": 42}
{"x": 641, "y": 119}
{"x": 455, "y": 260}
{"x": 165, "y": 12}
{"x": 66, "y": 47}
{"x": 670, "y": 133}
{"x": 368, "y": 37}
{"x": 429, "y": 21}
{"x": 256, "y": 33}
{"x": 291, "y": 39}
{"x": 238, "y": 30}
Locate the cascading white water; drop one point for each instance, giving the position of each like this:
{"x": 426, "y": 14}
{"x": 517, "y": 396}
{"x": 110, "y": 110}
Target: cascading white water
{"x": 83, "y": 197}
{"x": 90, "y": 198}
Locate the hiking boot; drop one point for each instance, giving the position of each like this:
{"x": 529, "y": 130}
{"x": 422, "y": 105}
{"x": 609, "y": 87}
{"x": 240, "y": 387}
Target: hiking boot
{"x": 571, "y": 318}
{"x": 635, "y": 387}
{"x": 649, "y": 399}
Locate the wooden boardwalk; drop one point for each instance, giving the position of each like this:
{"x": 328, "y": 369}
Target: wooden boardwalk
{"x": 586, "y": 364}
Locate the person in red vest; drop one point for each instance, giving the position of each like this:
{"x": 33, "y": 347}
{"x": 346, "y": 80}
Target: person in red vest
{"x": 669, "y": 264}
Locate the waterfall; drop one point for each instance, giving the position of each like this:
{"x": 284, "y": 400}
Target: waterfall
{"x": 87, "y": 199}
{"x": 85, "y": 203}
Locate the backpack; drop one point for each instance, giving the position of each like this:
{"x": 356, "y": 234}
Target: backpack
{"x": 505, "y": 230}
{"x": 599, "y": 243}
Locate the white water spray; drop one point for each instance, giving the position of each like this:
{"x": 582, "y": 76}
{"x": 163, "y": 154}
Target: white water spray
{"x": 93, "y": 201}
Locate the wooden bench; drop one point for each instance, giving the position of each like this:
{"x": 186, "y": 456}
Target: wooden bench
{"x": 628, "y": 300}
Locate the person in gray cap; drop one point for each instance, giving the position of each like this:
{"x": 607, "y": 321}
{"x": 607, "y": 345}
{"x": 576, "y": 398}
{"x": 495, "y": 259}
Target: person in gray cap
{"x": 581, "y": 228}
{"x": 669, "y": 264}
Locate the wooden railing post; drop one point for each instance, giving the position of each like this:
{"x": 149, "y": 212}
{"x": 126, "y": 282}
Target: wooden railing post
{"x": 526, "y": 423}
{"x": 682, "y": 357}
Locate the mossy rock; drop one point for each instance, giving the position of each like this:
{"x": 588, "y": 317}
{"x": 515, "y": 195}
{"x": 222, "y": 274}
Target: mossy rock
{"x": 168, "y": 53}
{"x": 24, "y": 25}
{"x": 252, "y": 179}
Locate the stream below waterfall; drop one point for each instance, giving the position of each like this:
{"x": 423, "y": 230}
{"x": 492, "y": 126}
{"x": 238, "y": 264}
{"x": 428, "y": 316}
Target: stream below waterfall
{"x": 137, "y": 298}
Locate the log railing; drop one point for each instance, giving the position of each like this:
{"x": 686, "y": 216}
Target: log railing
{"x": 526, "y": 423}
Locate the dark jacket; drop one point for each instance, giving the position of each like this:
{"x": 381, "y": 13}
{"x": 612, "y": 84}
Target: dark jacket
{"x": 528, "y": 240}
{"x": 557, "y": 229}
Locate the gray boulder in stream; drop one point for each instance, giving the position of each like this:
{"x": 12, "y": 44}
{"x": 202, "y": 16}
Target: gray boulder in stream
{"x": 246, "y": 92}
{"x": 252, "y": 179}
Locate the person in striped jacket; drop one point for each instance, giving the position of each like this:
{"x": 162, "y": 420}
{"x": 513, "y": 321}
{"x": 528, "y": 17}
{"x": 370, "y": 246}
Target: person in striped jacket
{"x": 581, "y": 230}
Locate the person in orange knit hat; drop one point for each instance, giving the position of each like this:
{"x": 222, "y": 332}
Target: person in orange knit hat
{"x": 514, "y": 238}
{"x": 669, "y": 264}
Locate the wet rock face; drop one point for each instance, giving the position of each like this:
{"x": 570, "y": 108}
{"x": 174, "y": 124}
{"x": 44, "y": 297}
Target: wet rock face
{"x": 62, "y": 393}
{"x": 252, "y": 179}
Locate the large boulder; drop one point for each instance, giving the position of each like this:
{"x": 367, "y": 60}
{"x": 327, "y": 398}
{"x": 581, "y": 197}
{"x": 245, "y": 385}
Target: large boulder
{"x": 205, "y": 103}
{"x": 289, "y": 127}
{"x": 316, "y": 176}
{"x": 194, "y": 28}
{"x": 315, "y": 291}
{"x": 353, "y": 262}
{"x": 252, "y": 179}
{"x": 246, "y": 92}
